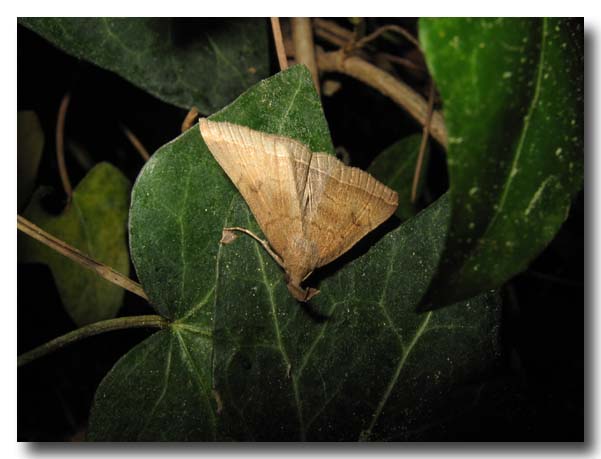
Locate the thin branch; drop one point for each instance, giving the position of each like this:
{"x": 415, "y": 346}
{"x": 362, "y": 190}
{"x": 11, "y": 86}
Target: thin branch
{"x": 77, "y": 256}
{"x": 340, "y": 37}
{"x": 401, "y": 93}
{"x": 148, "y": 321}
{"x": 332, "y": 32}
{"x": 359, "y": 28}
{"x": 81, "y": 155}
{"x": 422, "y": 147}
{"x": 329, "y": 37}
{"x": 190, "y": 119}
{"x": 60, "y": 146}
{"x": 389, "y": 27}
{"x": 304, "y": 47}
{"x": 408, "y": 63}
{"x": 279, "y": 43}
{"x": 357, "y": 34}
{"x": 135, "y": 143}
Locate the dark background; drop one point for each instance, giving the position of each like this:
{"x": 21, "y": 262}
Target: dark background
{"x": 538, "y": 391}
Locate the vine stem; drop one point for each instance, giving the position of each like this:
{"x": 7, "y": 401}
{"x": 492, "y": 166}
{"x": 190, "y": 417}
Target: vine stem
{"x": 190, "y": 119}
{"x": 400, "y": 93}
{"x": 60, "y": 146}
{"x": 120, "y": 323}
{"x": 79, "y": 257}
{"x": 304, "y": 47}
{"x": 133, "y": 139}
{"x": 342, "y": 38}
{"x": 279, "y": 43}
{"x": 332, "y": 32}
{"x": 386, "y": 28}
{"x": 422, "y": 148}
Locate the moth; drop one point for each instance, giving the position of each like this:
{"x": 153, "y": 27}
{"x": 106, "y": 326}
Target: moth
{"x": 311, "y": 207}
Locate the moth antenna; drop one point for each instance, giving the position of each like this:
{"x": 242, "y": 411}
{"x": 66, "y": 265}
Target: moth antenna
{"x": 264, "y": 243}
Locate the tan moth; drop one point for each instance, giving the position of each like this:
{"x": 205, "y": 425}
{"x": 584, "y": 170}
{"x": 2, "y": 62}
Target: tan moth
{"x": 311, "y": 207}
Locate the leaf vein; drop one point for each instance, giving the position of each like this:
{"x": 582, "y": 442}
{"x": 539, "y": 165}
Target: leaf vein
{"x": 397, "y": 372}
{"x": 196, "y": 372}
{"x": 383, "y": 297}
{"x": 163, "y": 391}
{"x": 183, "y": 239}
{"x": 520, "y": 147}
{"x": 278, "y": 336}
{"x": 318, "y": 338}
{"x": 292, "y": 99}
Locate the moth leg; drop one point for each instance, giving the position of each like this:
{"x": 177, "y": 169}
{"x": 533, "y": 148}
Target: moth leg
{"x": 301, "y": 294}
{"x": 306, "y": 277}
{"x": 264, "y": 243}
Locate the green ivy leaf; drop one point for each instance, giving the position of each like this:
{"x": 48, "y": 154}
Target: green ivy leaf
{"x": 513, "y": 98}
{"x": 370, "y": 368}
{"x": 30, "y": 144}
{"x": 395, "y": 167}
{"x": 242, "y": 359}
{"x": 185, "y": 62}
{"x": 95, "y": 223}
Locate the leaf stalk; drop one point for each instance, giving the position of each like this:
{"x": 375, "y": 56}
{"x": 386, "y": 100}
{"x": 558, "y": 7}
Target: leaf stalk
{"x": 120, "y": 323}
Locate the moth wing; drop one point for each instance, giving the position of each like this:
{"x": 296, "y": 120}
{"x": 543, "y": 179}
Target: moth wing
{"x": 270, "y": 172}
{"x": 348, "y": 204}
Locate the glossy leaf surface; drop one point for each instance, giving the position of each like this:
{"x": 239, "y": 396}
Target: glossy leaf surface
{"x": 513, "y": 99}
{"x": 187, "y": 62}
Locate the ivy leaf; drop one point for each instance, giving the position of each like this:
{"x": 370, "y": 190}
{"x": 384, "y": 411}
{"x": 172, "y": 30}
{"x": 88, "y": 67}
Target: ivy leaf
{"x": 243, "y": 360}
{"x": 30, "y": 144}
{"x": 513, "y": 98}
{"x": 185, "y": 62}
{"x": 95, "y": 223}
{"x": 395, "y": 167}
{"x": 358, "y": 363}
{"x": 180, "y": 202}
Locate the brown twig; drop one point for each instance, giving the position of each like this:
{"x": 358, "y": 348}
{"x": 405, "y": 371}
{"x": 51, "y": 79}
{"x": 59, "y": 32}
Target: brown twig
{"x": 135, "y": 143}
{"x": 341, "y": 37}
{"x": 304, "y": 47}
{"x": 279, "y": 43}
{"x": 77, "y": 256}
{"x": 401, "y": 93}
{"x": 408, "y": 63}
{"x": 422, "y": 147}
{"x": 389, "y": 27}
{"x": 60, "y": 146}
{"x": 189, "y": 119}
{"x": 358, "y": 29}
{"x": 332, "y": 32}
{"x": 83, "y": 158}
